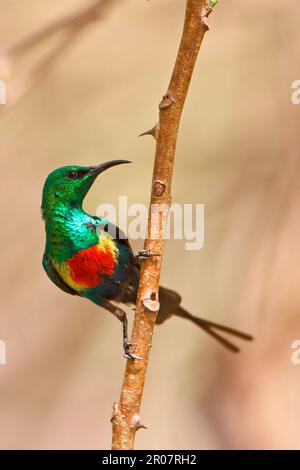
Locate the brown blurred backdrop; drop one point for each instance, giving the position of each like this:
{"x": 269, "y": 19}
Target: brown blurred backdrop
{"x": 238, "y": 153}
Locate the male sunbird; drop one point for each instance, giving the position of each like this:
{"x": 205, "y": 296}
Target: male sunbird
{"x": 87, "y": 256}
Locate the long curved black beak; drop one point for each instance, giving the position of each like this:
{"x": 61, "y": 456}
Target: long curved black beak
{"x": 96, "y": 170}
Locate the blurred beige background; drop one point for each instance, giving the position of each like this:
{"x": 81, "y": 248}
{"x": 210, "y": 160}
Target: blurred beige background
{"x": 238, "y": 153}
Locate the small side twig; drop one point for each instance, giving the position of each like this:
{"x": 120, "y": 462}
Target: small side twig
{"x": 81, "y": 17}
{"x": 126, "y": 413}
{"x": 66, "y": 27}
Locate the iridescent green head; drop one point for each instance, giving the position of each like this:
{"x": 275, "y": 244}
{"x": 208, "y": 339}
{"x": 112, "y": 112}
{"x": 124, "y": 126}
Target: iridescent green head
{"x": 69, "y": 185}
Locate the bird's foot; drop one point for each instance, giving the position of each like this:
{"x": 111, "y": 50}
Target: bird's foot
{"x": 145, "y": 254}
{"x": 127, "y": 353}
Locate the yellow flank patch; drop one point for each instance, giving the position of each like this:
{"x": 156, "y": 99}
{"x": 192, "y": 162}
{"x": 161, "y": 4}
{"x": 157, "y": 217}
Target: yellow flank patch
{"x": 64, "y": 272}
{"x": 106, "y": 243}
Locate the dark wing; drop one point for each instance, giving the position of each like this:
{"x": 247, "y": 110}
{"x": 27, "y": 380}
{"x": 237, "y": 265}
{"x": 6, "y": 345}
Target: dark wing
{"x": 55, "y": 277}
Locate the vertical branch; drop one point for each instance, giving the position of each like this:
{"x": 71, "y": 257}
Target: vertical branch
{"x": 125, "y": 419}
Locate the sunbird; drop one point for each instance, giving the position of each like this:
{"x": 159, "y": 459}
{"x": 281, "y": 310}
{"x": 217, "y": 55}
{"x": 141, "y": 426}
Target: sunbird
{"x": 90, "y": 257}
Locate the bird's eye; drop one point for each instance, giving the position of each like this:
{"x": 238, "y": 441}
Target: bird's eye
{"x": 76, "y": 174}
{"x": 72, "y": 175}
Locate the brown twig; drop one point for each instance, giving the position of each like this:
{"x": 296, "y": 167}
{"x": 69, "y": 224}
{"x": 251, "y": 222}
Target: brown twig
{"x": 66, "y": 27}
{"x": 81, "y": 17}
{"x": 126, "y": 413}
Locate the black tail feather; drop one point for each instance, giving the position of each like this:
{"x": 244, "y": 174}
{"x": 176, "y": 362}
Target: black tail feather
{"x": 209, "y": 327}
{"x": 170, "y": 305}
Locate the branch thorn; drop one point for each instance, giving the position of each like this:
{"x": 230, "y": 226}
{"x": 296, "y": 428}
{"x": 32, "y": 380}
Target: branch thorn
{"x": 154, "y": 132}
{"x": 137, "y": 423}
